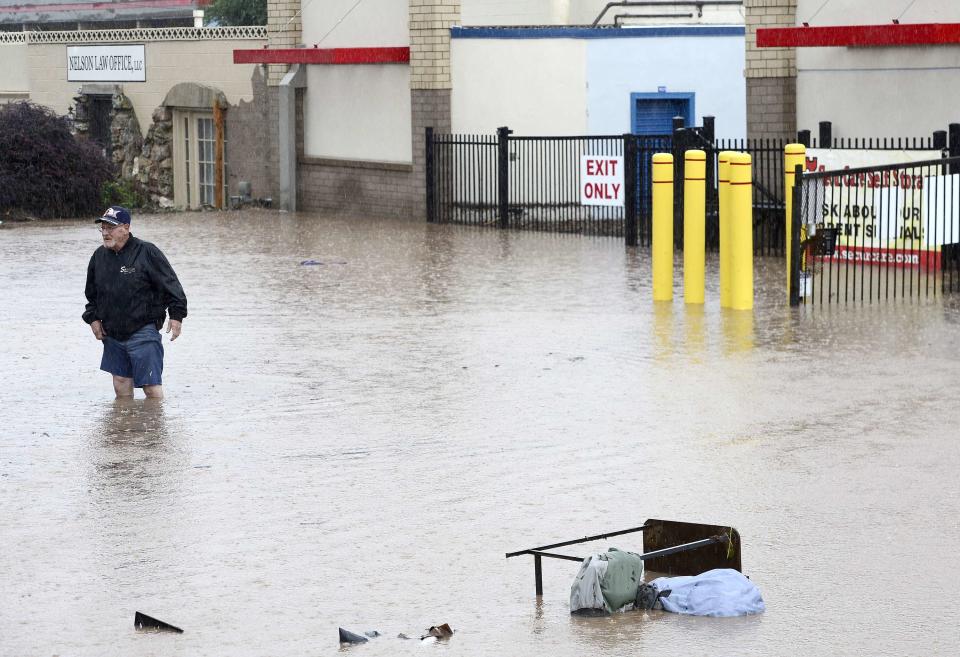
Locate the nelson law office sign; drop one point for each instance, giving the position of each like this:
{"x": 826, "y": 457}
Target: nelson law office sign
{"x": 106, "y": 64}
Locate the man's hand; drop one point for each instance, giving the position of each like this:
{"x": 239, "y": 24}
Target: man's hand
{"x": 97, "y": 329}
{"x": 173, "y": 327}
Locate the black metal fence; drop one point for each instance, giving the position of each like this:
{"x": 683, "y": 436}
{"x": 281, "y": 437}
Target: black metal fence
{"x": 533, "y": 182}
{"x": 877, "y": 233}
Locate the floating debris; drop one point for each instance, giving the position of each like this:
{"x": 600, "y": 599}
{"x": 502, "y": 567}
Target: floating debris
{"x": 346, "y": 636}
{"x": 311, "y": 261}
{"x": 144, "y": 623}
{"x": 438, "y": 632}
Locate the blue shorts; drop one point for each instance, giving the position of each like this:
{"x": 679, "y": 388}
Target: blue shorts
{"x": 139, "y": 358}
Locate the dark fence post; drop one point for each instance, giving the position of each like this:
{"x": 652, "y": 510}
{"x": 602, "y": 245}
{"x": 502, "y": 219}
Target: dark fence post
{"x": 680, "y": 145}
{"x": 431, "y": 192}
{"x": 797, "y": 259}
{"x": 826, "y": 134}
{"x": 709, "y": 124}
{"x": 503, "y": 175}
{"x": 630, "y": 191}
{"x": 953, "y": 143}
{"x": 803, "y": 137}
{"x": 939, "y": 140}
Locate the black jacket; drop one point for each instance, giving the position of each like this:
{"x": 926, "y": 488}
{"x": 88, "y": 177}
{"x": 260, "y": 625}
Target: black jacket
{"x": 129, "y": 289}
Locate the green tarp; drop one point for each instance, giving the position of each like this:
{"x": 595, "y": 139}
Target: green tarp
{"x": 607, "y": 581}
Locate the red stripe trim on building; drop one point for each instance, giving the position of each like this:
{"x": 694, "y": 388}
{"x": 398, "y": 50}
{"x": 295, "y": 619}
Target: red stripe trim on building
{"x": 112, "y": 6}
{"x": 322, "y": 56}
{"x": 916, "y": 34}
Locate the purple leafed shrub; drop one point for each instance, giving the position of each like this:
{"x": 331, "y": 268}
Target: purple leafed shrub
{"x": 44, "y": 170}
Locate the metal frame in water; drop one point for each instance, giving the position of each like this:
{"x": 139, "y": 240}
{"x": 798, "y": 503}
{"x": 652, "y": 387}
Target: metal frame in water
{"x": 671, "y": 547}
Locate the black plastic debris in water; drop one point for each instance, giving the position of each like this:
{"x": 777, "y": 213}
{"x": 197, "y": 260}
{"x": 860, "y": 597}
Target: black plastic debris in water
{"x": 346, "y": 636}
{"x": 312, "y": 262}
{"x": 144, "y": 623}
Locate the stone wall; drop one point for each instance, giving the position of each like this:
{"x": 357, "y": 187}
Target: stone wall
{"x": 251, "y": 134}
{"x": 125, "y": 138}
{"x": 154, "y": 166}
{"x": 771, "y": 72}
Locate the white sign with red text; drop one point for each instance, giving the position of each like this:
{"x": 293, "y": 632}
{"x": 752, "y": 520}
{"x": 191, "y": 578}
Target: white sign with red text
{"x": 601, "y": 180}
{"x": 899, "y": 217}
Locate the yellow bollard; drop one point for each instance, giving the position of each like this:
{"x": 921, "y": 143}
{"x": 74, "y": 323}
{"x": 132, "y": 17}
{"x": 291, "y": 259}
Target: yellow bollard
{"x": 662, "y": 246}
{"x": 723, "y": 209}
{"x": 741, "y": 232}
{"x": 694, "y": 225}
{"x": 793, "y": 154}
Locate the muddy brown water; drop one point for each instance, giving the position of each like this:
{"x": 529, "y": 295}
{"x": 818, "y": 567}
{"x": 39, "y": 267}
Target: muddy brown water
{"x": 359, "y": 442}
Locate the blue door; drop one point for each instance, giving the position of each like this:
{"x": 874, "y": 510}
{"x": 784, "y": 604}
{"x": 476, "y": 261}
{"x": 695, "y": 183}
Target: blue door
{"x": 651, "y": 117}
{"x": 652, "y": 114}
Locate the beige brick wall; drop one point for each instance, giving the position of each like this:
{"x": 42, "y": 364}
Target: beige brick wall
{"x": 284, "y": 28}
{"x": 430, "y": 22}
{"x": 208, "y": 62}
{"x": 771, "y": 73}
{"x": 769, "y": 62}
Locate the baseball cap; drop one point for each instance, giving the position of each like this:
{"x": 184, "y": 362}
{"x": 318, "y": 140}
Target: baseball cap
{"x": 115, "y": 215}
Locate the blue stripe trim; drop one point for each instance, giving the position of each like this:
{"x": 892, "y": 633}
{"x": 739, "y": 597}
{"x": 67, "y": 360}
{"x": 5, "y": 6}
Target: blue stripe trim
{"x": 457, "y": 32}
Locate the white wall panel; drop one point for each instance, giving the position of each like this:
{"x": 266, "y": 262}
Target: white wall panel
{"x": 878, "y": 92}
{"x": 879, "y": 103}
{"x": 534, "y": 86}
{"x": 709, "y": 67}
{"x": 346, "y": 24}
{"x": 583, "y": 86}
{"x": 876, "y": 12}
{"x": 14, "y": 78}
{"x": 516, "y": 12}
{"x": 358, "y": 113}
{"x": 584, "y": 12}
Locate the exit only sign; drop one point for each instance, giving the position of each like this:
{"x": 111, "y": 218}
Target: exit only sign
{"x": 601, "y": 180}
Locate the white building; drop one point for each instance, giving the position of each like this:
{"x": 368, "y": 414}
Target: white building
{"x": 885, "y": 68}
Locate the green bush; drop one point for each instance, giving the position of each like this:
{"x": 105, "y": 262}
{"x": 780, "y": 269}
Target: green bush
{"x": 122, "y": 192}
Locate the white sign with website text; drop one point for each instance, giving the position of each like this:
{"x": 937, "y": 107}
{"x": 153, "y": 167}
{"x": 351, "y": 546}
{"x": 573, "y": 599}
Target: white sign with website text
{"x": 899, "y": 217}
{"x": 601, "y": 180}
{"x": 106, "y": 63}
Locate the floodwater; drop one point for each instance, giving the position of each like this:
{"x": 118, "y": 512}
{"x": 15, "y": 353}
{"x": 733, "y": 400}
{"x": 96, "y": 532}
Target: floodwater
{"x": 359, "y": 442}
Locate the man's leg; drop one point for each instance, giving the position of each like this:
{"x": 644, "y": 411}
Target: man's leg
{"x": 152, "y": 392}
{"x": 123, "y": 386}
{"x": 116, "y": 362}
{"x": 146, "y": 356}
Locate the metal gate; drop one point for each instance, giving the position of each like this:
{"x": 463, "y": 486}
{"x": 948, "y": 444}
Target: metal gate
{"x": 877, "y": 233}
{"x": 101, "y": 116}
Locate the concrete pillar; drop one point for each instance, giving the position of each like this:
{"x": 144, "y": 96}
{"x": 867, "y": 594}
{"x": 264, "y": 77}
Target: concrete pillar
{"x": 430, "y": 81}
{"x": 296, "y": 78}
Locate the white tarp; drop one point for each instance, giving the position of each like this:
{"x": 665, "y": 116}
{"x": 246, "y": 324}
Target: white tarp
{"x": 585, "y": 593}
{"x": 719, "y": 592}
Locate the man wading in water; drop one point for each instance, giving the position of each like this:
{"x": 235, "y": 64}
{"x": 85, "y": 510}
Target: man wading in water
{"x": 130, "y": 289}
